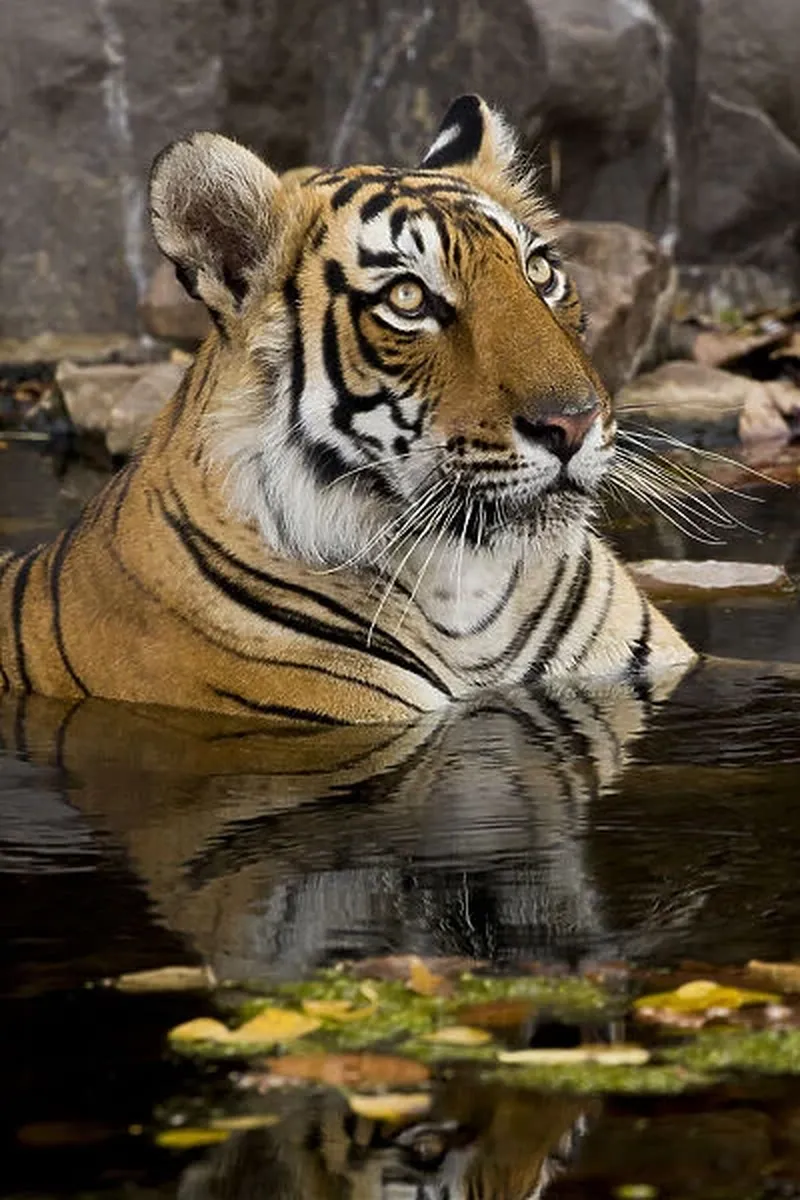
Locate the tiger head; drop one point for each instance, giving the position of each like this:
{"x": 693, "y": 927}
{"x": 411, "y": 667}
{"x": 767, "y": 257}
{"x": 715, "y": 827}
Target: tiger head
{"x": 398, "y": 353}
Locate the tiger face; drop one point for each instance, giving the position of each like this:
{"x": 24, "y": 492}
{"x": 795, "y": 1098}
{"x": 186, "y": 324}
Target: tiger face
{"x": 414, "y": 374}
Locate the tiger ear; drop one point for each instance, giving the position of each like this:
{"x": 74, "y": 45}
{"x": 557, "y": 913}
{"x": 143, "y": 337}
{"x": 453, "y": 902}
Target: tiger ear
{"x": 472, "y": 134}
{"x": 211, "y": 209}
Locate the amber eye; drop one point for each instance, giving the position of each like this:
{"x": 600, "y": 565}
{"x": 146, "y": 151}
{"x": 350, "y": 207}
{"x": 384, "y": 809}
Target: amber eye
{"x": 539, "y": 270}
{"x": 407, "y": 298}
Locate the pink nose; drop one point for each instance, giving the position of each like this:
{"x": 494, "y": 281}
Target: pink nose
{"x": 561, "y": 433}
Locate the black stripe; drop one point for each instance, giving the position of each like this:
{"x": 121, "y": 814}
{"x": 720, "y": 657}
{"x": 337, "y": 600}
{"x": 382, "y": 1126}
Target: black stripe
{"x": 526, "y": 629}
{"x": 17, "y": 601}
{"x": 376, "y": 205}
{"x": 378, "y": 258}
{"x": 344, "y": 194}
{"x": 291, "y": 297}
{"x": 640, "y": 651}
{"x": 568, "y": 615}
{"x": 599, "y": 621}
{"x": 382, "y": 646}
{"x": 278, "y": 710}
{"x": 55, "y": 596}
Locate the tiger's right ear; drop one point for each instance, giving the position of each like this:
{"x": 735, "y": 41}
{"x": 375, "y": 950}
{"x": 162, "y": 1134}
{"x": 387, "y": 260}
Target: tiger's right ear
{"x": 211, "y": 210}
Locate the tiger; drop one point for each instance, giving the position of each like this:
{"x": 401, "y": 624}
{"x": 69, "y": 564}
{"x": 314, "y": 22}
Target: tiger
{"x": 373, "y": 493}
{"x": 482, "y": 1142}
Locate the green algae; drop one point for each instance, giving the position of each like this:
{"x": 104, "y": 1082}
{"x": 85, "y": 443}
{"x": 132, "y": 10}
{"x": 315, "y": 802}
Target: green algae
{"x": 598, "y": 1079}
{"x": 762, "y": 1052}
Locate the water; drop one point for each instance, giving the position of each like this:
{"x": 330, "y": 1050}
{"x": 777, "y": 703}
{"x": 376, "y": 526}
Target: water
{"x": 569, "y": 829}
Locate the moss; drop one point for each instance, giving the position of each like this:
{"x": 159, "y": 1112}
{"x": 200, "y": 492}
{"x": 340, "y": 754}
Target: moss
{"x": 768, "y": 1051}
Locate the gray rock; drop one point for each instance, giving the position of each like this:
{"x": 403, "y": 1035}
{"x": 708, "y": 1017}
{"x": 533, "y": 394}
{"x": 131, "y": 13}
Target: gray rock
{"x": 669, "y": 576}
{"x": 117, "y": 401}
{"x": 699, "y": 404}
{"x": 626, "y": 283}
{"x": 90, "y": 91}
{"x": 169, "y": 313}
{"x": 393, "y": 66}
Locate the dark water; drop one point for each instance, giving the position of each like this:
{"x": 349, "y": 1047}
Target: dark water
{"x": 569, "y": 829}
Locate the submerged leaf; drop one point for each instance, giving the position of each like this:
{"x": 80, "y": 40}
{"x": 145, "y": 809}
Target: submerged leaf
{"x": 187, "y": 1139}
{"x": 274, "y": 1025}
{"x": 350, "y": 1070}
{"x": 700, "y": 996}
{"x": 498, "y": 1014}
{"x": 622, "y": 1055}
{"x": 423, "y": 981}
{"x": 391, "y": 1106}
{"x": 338, "y": 1010}
{"x": 166, "y": 979}
{"x": 784, "y": 975}
{"x": 244, "y": 1121}
{"x": 458, "y": 1035}
{"x": 201, "y": 1029}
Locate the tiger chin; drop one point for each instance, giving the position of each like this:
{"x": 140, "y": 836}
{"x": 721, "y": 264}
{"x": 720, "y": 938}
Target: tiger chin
{"x": 373, "y": 492}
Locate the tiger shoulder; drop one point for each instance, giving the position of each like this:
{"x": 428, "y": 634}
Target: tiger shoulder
{"x": 373, "y": 491}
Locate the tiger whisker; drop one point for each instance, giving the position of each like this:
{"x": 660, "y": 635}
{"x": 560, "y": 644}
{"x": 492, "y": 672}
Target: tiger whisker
{"x": 631, "y": 481}
{"x": 641, "y": 441}
{"x": 671, "y": 440}
{"x": 705, "y": 504}
{"x": 446, "y": 515}
{"x": 380, "y": 462}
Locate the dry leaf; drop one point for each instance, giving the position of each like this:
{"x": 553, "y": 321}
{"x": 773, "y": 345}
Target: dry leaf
{"x": 338, "y": 1010}
{"x": 201, "y": 1029}
{"x": 166, "y": 979}
{"x": 423, "y": 981}
{"x": 784, "y": 975}
{"x": 700, "y": 996}
{"x": 392, "y": 1106}
{"x": 187, "y": 1139}
{"x": 273, "y": 1025}
{"x": 458, "y": 1035}
{"x": 350, "y": 1070}
{"x": 622, "y": 1055}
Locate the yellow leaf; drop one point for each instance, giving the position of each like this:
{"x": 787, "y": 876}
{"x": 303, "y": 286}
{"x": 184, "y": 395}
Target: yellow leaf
{"x": 338, "y": 1010}
{"x": 186, "y": 1138}
{"x": 274, "y": 1025}
{"x": 700, "y": 995}
{"x": 391, "y": 1106}
{"x": 201, "y": 1029}
{"x": 458, "y": 1035}
{"x": 622, "y": 1055}
{"x": 166, "y": 979}
{"x": 422, "y": 980}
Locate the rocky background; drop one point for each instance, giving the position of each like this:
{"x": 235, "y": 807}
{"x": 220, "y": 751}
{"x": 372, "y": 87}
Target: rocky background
{"x": 666, "y": 131}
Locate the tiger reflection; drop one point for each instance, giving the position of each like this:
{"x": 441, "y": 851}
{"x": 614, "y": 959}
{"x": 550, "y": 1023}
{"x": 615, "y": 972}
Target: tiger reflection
{"x": 486, "y": 1143}
{"x": 275, "y": 852}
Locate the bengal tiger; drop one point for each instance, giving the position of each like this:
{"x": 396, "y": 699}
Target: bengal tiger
{"x": 484, "y": 1143}
{"x": 373, "y": 491}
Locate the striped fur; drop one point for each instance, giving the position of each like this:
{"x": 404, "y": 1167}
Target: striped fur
{"x": 357, "y": 507}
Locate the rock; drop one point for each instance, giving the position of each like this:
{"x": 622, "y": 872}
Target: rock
{"x": 47, "y": 349}
{"x": 169, "y": 313}
{"x": 661, "y": 576}
{"x": 626, "y": 284}
{"x": 699, "y": 404}
{"x": 91, "y": 91}
{"x": 771, "y": 414}
{"x": 117, "y": 401}
{"x": 393, "y": 66}
{"x": 608, "y": 128}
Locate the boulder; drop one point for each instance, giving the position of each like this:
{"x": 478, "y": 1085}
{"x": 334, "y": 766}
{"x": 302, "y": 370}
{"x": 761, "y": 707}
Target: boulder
{"x": 118, "y": 402}
{"x": 699, "y": 404}
{"x": 626, "y": 282}
{"x": 168, "y": 312}
{"x": 771, "y": 414}
{"x": 91, "y": 91}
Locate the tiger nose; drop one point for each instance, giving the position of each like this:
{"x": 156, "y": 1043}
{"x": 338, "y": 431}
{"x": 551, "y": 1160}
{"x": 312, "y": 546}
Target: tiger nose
{"x": 562, "y": 433}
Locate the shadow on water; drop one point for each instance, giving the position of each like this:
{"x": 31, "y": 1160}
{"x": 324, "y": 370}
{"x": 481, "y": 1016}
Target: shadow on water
{"x": 564, "y": 828}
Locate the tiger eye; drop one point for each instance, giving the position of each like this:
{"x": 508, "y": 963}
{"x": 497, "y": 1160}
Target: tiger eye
{"x": 407, "y": 297}
{"x": 539, "y": 270}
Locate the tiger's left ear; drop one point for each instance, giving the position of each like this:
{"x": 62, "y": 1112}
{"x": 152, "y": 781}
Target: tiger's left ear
{"x": 474, "y": 135}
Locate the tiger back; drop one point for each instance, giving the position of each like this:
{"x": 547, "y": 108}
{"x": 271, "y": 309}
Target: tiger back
{"x": 372, "y": 493}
